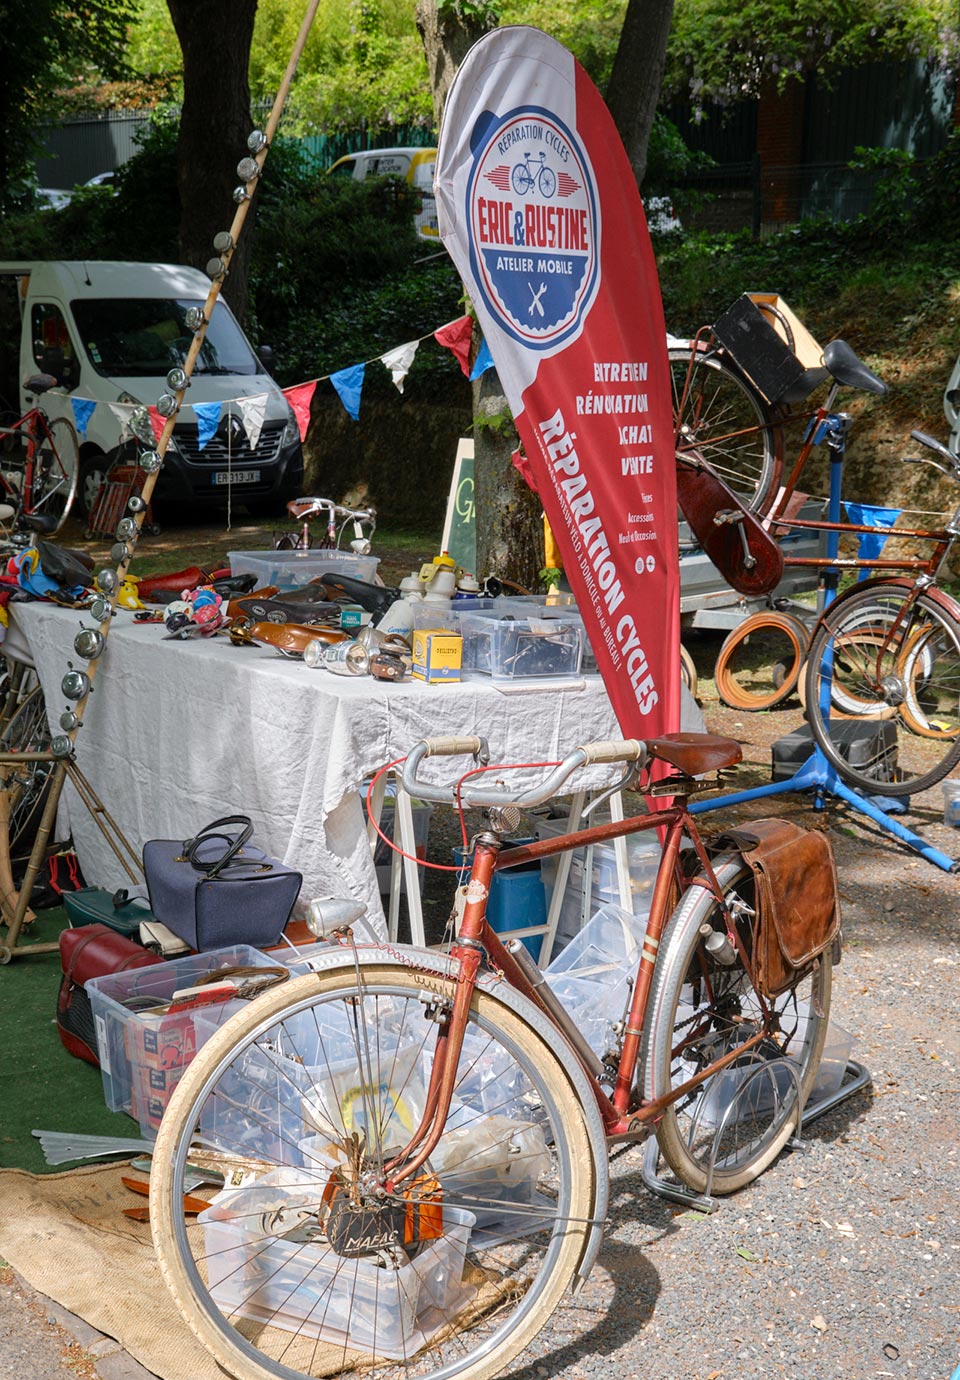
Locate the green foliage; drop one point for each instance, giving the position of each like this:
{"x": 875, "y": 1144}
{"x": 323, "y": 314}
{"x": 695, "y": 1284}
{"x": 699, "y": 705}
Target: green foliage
{"x": 812, "y": 263}
{"x": 49, "y": 46}
{"x": 469, "y": 11}
{"x": 589, "y": 28}
{"x": 725, "y": 49}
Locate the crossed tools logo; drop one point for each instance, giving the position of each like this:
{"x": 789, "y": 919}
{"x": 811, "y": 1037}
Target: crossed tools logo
{"x": 533, "y": 226}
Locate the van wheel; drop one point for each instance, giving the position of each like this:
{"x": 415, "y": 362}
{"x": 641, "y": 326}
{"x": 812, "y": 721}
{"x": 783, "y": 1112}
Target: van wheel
{"x": 93, "y": 476}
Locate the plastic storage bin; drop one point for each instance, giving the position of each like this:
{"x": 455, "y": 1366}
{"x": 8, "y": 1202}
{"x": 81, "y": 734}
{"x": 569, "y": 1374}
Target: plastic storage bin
{"x": 597, "y": 884}
{"x": 310, "y": 1290}
{"x": 143, "y": 1056}
{"x": 541, "y": 644}
{"x": 291, "y": 569}
{"x": 593, "y": 975}
{"x": 951, "y": 803}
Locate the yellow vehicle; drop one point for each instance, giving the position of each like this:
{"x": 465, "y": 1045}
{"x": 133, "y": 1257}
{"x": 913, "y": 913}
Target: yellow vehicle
{"x": 415, "y": 166}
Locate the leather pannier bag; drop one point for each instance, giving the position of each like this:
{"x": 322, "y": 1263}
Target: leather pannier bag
{"x": 797, "y": 899}
{"x": 88, "y": 952}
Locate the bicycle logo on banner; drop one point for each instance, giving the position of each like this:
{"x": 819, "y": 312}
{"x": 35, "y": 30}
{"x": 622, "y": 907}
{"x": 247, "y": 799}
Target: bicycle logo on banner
{"x": 533, "y": 173}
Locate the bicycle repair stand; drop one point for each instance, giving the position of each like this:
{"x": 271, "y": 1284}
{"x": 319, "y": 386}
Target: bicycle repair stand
{"x": 855, "y": 1077}
{"x": 816, "y": 773}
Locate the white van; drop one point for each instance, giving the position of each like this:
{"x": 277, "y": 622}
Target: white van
{"x": 110, "y": 332}
{"x": 415, "y": 166}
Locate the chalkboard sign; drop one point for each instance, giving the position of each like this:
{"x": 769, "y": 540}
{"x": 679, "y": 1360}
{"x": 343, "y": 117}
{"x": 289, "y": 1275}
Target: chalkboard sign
{"x": 459, "y": 527}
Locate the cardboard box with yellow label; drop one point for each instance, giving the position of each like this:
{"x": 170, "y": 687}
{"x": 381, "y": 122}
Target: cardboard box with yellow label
{"x": 437, "y": 653}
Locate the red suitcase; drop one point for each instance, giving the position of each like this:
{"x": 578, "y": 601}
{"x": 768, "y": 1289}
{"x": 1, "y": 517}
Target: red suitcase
{"x": 88, "y": 952}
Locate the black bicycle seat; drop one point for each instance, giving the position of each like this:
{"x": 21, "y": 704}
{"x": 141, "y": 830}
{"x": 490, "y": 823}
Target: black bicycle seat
{"x": 40, "y": 383}
{"x": 849, "y": 370}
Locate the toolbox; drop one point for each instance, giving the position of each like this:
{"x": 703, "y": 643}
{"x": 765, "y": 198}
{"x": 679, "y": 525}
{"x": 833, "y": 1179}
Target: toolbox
{"x": 869, "y": 745}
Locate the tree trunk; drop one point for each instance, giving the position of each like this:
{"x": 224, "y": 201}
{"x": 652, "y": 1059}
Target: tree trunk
{"x": 215, "y": 38}
{"x": 509, "y": 530}
{"x": 508, "y": 515}
{"x": 634, "y": 88}
{"x": 446, "y": 42}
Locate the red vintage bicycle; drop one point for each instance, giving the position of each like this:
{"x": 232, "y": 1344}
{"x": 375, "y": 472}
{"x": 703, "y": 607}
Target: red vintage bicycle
{"x": 415, "y": 1141}
{"x": 39, "y": 464}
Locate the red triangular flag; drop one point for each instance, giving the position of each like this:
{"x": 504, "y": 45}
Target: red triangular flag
{"x": 457, "y": 337}
{"x": 522, "y": 465}
{"x": 300, "y": 397}
{"x": 157, "y": 422}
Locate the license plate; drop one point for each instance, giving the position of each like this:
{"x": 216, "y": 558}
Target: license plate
{"x": 236, "y": 477}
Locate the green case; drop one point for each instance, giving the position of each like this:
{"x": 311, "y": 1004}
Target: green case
{"x": 92, "y": 905}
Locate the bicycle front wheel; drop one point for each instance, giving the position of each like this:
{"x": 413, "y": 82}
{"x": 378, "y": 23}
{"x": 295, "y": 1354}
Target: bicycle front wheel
{"x": 321, "y": 1265}
{"x": 895, "y": 665}
{"x": 720, "y": 418}
{"x": 700, "y": 1010}
{"x": 56, "y": 470}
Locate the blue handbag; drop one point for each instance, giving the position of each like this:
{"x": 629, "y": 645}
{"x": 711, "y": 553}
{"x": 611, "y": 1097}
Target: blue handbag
{"x": 218, "y": 889}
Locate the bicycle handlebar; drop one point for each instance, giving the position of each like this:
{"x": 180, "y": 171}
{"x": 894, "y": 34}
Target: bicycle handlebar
{"x": 327, "y": 505}
{"x": 629, "y": 750}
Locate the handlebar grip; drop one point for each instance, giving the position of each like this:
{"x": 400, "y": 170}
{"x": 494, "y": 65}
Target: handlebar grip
{"x": 453, "y": 747}
{"x": 614, "y": 750}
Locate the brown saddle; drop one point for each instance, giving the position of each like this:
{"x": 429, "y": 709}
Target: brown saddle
{"x": 693, "y": 754}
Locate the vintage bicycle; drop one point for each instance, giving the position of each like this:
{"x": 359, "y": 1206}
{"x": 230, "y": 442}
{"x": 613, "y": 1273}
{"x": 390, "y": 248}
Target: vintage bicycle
{"x": 887, "y": 650}
{"x": 335, "y": 518}
{"x": 419, "y": 1137}
{"x": 39, "y": 463}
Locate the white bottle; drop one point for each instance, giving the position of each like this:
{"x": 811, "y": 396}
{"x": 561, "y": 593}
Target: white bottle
{"x": 399, "y": 617}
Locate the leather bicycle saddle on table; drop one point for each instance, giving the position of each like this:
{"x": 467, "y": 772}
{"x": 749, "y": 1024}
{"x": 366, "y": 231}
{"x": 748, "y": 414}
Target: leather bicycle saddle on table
{"x": 310, "y": 603}
{"x": 289, "y": 639}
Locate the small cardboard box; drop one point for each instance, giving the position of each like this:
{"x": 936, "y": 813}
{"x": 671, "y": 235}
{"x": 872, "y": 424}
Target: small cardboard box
{"x": 437, "y": 654}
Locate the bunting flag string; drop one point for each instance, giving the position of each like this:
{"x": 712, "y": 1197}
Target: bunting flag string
{"x": 455, "y": 336}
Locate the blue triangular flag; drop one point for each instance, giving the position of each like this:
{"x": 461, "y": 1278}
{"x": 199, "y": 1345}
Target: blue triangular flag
{"x": 349, "y": 384}
{"x": 208, "y": 419}
{"x": 82, "y": 412}
{"x": 871, "y": 543}
{"x": 483, "y": 361}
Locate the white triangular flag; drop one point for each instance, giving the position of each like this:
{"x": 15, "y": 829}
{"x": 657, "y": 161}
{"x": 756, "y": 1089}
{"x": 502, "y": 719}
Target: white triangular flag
{"x": 252, "y": 412}
{"x": 123, "y": 412}
{"x": 398, "y": 361}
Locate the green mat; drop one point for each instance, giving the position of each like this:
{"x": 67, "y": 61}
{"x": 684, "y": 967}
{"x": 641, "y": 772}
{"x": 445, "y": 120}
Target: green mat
{"x": 41, "y": 1085}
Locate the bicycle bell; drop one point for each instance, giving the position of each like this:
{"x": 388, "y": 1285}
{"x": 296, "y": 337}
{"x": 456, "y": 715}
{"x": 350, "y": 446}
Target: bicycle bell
{"x": 89, "y": 643}
{"x": 75, "y": 685}
{"x": 107, "y": 581}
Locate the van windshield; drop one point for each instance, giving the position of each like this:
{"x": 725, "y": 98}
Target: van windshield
{"x": 143, "y": 337}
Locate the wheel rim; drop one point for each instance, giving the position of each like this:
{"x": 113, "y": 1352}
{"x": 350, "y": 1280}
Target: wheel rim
{"x": 894, "y": 664}
{"x": 361, "y": 1080}
{"x": 759, "y": 663}
{"x": 55, "y": 481}
{"x": 708, "y": 1009}
{"x": 726, "y": 425}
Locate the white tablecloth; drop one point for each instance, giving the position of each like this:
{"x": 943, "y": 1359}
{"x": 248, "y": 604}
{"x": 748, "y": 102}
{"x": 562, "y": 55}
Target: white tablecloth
{"x": 178, "y": 733}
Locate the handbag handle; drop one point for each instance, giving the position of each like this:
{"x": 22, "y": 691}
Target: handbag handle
{"x": 213, "y": 831}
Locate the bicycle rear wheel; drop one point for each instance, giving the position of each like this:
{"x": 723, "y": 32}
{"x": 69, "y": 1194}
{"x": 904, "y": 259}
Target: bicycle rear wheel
{"x": 700, "y": 1010}
{"x": 718, "y": 416}
{"x": 896, "y": 666}
{"x": 320, "y": 1081}
{"x": 56, "y": 470}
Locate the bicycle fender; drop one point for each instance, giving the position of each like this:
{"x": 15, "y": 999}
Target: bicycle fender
{"x": 881, "y": 582}
{"x": 444, "y": 966}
